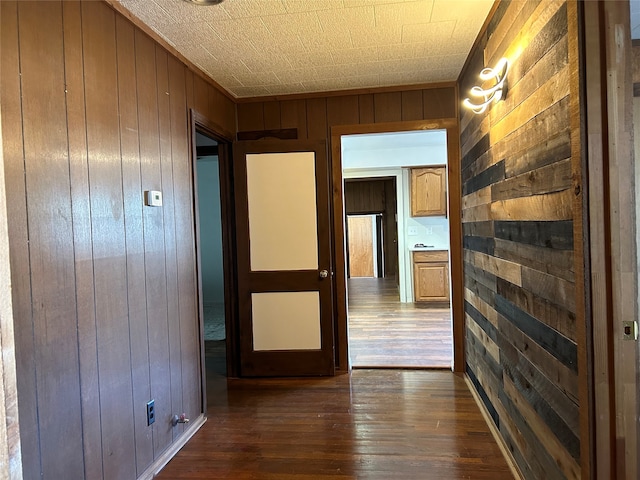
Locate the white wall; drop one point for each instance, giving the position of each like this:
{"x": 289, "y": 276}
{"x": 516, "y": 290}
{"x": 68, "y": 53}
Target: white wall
{"x": 396, "y": 156}
{"x": 212, "y": 273}
{"x": 397, "y": 149}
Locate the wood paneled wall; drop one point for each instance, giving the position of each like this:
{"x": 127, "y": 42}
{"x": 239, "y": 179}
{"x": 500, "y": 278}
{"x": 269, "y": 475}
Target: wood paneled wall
{"x": 522, "y": 225}
{"x": 378, "y": 112}
{"x": 314, "y": 117}
{"x": 94, "y": 112}
{"x": 364, "y": 196}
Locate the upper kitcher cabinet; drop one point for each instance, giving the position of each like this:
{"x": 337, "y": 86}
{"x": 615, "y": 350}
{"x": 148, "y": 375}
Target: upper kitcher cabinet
{"x": 429, "y": 191}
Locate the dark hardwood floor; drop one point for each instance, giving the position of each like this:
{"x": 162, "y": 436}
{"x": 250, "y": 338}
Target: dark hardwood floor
{"x": 386, "y": 333}
{"x": 379, "y": 424}
{"x": 369, "y": 425}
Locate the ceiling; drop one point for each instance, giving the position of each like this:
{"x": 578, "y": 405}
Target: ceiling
{"x": 275, "y": 47}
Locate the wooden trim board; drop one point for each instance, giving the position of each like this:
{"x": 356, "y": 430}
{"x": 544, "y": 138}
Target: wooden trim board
{"x": 455, "y": 228}
{"x": 517, "y": 474}
{"x": 613, "y": 276}
{"x": 340, "y": 93}
{"x": 171, "y": 452}
{"x": 624, "y": 274}
{"x": 584, "y": 329}
{"x": 118, "y": 7}
{"x": 224, "y": 139}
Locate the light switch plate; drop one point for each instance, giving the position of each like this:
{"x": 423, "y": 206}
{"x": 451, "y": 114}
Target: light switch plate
{"x": 153, "y": 198}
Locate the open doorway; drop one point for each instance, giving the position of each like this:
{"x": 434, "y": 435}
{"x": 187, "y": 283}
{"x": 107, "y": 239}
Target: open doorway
{"x": 391, "y": 322}
{"x": 371, "y": 227}
{"x": 210, "y": 252}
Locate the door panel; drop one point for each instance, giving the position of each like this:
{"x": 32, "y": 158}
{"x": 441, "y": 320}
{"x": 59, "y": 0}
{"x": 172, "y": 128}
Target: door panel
{"x": 284, "y": 258}
{"x": 286, "y": 321}
{"x": 360, "y": 244}
{"x": 282, "y": 211}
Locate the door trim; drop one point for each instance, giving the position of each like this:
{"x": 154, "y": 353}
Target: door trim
{"x": 199, "y": 122}
{"x": 455, "y": 230}
{"x": 609, "y": 386}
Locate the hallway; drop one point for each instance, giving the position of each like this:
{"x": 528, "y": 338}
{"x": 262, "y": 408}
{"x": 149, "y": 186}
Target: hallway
{"x": 372, "y": 424}
{"x": 386, "y": 333}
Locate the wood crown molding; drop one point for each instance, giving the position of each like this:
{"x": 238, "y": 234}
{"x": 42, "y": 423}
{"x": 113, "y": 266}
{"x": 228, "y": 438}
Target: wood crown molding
{"x": 341, "y": 93}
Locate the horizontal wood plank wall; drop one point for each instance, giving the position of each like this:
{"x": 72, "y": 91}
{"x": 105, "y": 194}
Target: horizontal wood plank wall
{"x": 523, "y": 299}
{"x": 94, "y": 113}
{"x": 314, "y": 117}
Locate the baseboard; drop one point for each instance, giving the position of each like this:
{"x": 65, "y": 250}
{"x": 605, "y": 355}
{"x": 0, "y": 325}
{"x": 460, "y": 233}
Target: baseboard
{"x": 506, "y": 453}
{"x": 170, "y": 452}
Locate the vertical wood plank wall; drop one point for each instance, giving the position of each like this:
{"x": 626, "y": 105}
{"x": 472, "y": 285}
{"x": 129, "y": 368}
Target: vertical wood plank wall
{"x": 94, "y": 112}
{"x": 522, "y": 226}
{"x": 314, "y": 117}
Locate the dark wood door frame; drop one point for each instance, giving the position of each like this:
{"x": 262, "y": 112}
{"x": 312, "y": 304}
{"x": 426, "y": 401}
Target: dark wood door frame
{"x": 455, "y": 229}
{"x": 202, "y": 124}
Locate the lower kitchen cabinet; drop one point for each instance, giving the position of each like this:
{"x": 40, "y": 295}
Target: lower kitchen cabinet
{"x": 431, "y": 276}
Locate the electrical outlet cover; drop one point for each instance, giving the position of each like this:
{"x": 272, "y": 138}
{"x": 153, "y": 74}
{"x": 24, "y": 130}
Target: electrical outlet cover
{"x": 151, "y": 412}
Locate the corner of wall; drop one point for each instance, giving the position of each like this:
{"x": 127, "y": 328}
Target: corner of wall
{"x": 10, "y": 452}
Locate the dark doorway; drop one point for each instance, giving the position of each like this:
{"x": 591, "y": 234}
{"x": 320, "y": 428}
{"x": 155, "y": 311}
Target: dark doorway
{"x": 210, "y": 250}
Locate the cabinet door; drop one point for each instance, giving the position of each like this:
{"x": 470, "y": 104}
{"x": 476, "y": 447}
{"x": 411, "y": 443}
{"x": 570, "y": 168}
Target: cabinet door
{"x": 428, "y": 191}
{"x": 431, "y": 282}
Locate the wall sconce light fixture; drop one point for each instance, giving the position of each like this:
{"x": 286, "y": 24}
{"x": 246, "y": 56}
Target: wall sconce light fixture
{"x": 495, "y": 93}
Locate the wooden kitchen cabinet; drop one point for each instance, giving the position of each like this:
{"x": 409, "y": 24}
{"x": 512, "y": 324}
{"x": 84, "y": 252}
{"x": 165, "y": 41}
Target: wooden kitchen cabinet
{"x": 431, "y": 276}
{"x": 428, "y": 191}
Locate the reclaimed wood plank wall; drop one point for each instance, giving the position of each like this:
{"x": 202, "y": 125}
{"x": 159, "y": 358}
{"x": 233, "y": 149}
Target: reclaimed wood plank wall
{"x": 104, "y": 290}
{"x": 523, "y": 294}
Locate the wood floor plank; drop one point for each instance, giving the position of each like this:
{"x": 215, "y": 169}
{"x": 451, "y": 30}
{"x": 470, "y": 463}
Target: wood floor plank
{"x": 386, "y": 333}
{"x": 370, "y": 424}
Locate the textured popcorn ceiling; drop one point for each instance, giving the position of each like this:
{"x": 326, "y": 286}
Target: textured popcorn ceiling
{"x": 275, "y": 47}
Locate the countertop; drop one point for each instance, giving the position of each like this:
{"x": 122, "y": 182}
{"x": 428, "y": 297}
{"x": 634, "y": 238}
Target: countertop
{"x": 427, "y": 248}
